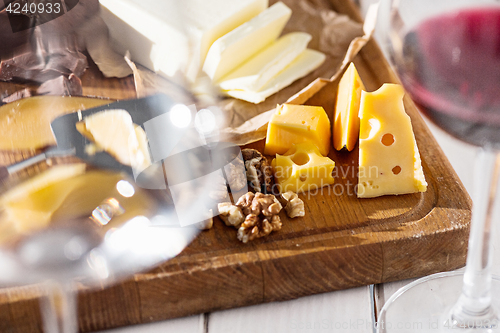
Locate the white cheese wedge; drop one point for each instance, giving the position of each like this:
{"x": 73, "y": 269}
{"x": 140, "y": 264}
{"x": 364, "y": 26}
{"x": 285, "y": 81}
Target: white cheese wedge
{"x": 155, "y": 31}
{"x": 304, "y": 64}
{"x": 258, "y": 70}
{"x": 114, "y": 132}
{"x": 389, "y": 161}
{"x": 237, "y": 46}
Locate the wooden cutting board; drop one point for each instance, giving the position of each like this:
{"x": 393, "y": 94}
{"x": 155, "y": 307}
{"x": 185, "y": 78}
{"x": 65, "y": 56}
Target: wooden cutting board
{"x": 342, "y": 242}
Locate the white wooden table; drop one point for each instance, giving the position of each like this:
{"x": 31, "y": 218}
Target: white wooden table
{"x": 346, "y": 311}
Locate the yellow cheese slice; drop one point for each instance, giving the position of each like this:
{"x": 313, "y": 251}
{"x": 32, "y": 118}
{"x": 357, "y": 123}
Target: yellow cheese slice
{"x": 30, "y": 204}
{"x": 346, "y": 122}
{"x": 389, "y": 161}
{"x": 25, "y": 124}
{"x": 302, "y": 169}
{"x": 296, "y": 124}
{"x": 114, "y": 132}
{"x": 65, "y": 192}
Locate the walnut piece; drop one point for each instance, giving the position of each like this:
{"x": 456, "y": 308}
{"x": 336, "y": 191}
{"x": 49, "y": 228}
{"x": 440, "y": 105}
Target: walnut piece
{"x": 259, "y": 172}
{"x": 253, "y": 227}
{"x": 236, "y": 175}
{"x": 230, "y": 214}
{"x": 294, "y": 206}
{"x": 261, "y": 212}
{"x": 244, "y": 202}
{"x": 208, "y": 223}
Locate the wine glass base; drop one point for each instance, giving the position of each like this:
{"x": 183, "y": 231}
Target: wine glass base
{"x": 425, "y": 304}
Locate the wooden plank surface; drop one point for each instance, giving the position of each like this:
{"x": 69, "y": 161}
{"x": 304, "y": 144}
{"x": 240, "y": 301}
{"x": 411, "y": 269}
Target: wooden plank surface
{"x": 342, "y": 242}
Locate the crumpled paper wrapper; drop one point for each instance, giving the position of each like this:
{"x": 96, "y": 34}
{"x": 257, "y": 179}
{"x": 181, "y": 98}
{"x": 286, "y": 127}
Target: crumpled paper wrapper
{"x": 336, "y": 35}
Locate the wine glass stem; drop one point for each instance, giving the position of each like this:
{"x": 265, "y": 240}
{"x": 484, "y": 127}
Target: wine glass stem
{"x": 475, "y": 300}
{"x": 59, "y": 309}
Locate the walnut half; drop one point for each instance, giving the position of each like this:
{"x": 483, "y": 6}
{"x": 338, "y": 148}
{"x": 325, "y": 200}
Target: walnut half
{"x": 261, "y": 219}
{"x": 253, "y": 227}
{"x": 294, "y": 206}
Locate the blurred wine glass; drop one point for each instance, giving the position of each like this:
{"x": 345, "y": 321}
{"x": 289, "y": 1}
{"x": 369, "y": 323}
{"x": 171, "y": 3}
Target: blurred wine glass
{"x": 107, "y": 224}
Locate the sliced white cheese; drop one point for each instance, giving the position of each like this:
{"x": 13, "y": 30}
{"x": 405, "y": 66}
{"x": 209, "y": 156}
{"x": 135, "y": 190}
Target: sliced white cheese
{"x": 156, "y": 31}
{"x": 114, "y": 132}
{"x": 236, "y": 47}
{"x": 261, "y": 68}
{"x": 305, "y": 63}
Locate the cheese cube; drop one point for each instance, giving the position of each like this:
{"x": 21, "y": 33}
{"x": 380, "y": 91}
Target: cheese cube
{"x": 346, "y": 122}
{"x": 296, "y": 124}
{"x": 389, "y": 161}
{"x": 261, "y": 68}
{"x": 302, "y": 169}
{"x": 156, "y": 31}
{"x": 304, "y": 64}
{"x": 237, "y": 46}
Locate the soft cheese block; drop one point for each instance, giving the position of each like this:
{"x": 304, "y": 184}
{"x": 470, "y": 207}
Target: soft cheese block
{"x": 114, "y": 132}
{"x": 346, "y": 122}
{"x": 261, "y": 68}
{"x": 296, "y": 124}
{"x": 389, "y": 161}
{"x": 155, "y": 31}
{"x": 237, "y": 46}
{"x": 302, "y": 168}
{"x": 304, "y": 64}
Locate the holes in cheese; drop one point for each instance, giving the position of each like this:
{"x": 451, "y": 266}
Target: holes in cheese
{"x": 387, "y": 139}
{"x": 296, "y": 124}
{"x": 346, "y": 122}
{"x": 302, "y": 169}
{"x": 389, "y": 161}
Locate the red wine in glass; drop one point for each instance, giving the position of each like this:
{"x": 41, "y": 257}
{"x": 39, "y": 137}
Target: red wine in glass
{"x": 454, "y": 75}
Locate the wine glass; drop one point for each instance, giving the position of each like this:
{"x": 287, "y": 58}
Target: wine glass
{"x": 107, "y": 223}
{"x": 447, "y": 55}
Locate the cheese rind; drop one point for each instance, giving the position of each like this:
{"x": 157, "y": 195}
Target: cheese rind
{"x": 292, "y": 124}
{"x": 156, "y": 32}
{"x": 114, "y": 132}
{"x": 302, "y": 169}
{"x": 346, "y": 122}
{"x": 261, "y": 68}
{"x": 389, "y": 161}
{"x": 237, "y": 46}
{"x": 304, "y": 64}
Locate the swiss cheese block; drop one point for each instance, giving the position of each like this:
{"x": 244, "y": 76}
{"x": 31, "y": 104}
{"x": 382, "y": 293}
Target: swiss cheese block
{"x": 114, "y": 132}
{"x": 168, "y": 35}
{"x": 237, "y": 46}
{"x": 346, "y": 122}
{"x": 261, "y": 68}
{"x": 389, "y": 161}
{"x": 302, "y": 169}
{"x": 296, "y": 124}
{"x": 304, "y": 64}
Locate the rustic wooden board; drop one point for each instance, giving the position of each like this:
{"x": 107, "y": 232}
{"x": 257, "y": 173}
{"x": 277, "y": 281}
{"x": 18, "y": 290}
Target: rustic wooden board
{"x": 342, "y": 242}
